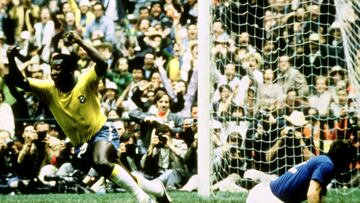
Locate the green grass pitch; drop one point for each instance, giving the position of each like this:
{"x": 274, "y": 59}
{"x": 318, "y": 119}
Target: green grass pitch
{"x": 178, "y": 197}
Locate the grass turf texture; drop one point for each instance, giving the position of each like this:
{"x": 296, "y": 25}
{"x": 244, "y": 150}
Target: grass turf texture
{"x": 178, "y": 197}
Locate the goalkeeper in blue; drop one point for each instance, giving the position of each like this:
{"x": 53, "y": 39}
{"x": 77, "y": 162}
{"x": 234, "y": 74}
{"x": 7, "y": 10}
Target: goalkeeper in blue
{"x": 308, "y": 180}
{"x": 75, "y": 104}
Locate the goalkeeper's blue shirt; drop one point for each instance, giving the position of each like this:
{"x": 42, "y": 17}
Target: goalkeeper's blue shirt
{"x": 293, "y": 185}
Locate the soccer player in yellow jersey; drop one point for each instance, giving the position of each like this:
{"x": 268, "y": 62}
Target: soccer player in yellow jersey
{"x": 75, "y": 105}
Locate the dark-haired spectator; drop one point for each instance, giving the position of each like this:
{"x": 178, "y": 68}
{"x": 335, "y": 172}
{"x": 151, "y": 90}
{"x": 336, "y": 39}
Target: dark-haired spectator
{"x": 144, "y": 12}
{"x": 149, "y": 65}
{"x": 180, "y": 91}
{"x": 129, "y": 153}
{"x": 161, "y": 114}
{"x": 102, "y": 28}
{"x": 293, "y": 102}
{"x": 190, "y": 13}
{"x": 322, "y": 97}
{"x": 223, "y": 107}
{"x": 271, "y": 90}
{"x": 143, "y": 96}
{"x": 44, "y": 32}
{"x": 288, "y": 77}
{"x": 157, "y": 14}
{"x": 164, "y": 159}
{"x": 8, "y": 161}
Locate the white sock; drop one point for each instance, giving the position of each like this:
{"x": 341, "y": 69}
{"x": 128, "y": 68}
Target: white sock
{"x": 123, "y": 179}
{"x": 153, "y": 187}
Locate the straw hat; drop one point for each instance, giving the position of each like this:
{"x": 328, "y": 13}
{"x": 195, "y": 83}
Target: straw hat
{"x": 103, "y": 45}
{"x": 337, "y": 69}
{"x": 296, "y": 118}
{"x": 314, "y": 37}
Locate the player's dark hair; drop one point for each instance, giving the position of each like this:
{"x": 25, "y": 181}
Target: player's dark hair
{"x": 342, "y": 153}
{"x": 68, "y": 61}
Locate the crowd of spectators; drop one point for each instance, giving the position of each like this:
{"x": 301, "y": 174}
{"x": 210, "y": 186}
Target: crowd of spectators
{"x": 281, "y": 89}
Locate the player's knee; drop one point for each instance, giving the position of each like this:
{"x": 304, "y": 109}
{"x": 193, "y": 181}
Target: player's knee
{"x": 103, "y": 166}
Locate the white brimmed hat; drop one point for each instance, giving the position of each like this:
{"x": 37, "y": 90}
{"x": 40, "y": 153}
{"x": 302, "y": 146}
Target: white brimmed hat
{"x": 296, "y": 118}
{"x": 111, "y": 85}
{"x": 84, "y": 3}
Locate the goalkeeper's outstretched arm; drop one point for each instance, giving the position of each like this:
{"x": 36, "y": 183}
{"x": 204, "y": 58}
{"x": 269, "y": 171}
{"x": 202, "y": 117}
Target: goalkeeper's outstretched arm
{"x": 15, "y": 77}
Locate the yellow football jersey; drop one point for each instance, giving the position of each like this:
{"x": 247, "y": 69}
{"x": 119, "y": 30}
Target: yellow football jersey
{"x": 77, "y": 112}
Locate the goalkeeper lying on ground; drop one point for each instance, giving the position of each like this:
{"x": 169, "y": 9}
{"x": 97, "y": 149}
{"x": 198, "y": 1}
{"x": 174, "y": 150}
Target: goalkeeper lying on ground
{"x": 308, "y": 180}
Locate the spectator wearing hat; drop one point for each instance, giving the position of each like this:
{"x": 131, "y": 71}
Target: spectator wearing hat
{"x": 337, "y": 79}
{"x": 336, "y": 43}
{"x": 137, "y": 74}
{"x": 83, "y": 14}
{"x": 316, "y": 60}
{"x": 290, "y": 148}
{"x": 109, "y": 99}
{"x": 155, "y": 40}
{"x": 106, "y": 51}
{"x": 312, "y": 25}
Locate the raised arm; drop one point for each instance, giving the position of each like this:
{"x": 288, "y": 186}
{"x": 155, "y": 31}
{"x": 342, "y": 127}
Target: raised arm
{"x": 15, "y": 77}
{"x": 101, "y": 65}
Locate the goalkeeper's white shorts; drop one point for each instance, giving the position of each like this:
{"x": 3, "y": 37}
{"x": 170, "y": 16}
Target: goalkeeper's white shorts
{"x": 262, "y": 193}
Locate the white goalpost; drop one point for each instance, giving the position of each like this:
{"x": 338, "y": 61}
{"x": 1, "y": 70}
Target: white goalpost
{"x": 204, "y": 161}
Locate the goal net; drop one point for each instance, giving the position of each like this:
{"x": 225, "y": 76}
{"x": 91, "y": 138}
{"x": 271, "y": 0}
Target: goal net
{"x": 284, "y": 85}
